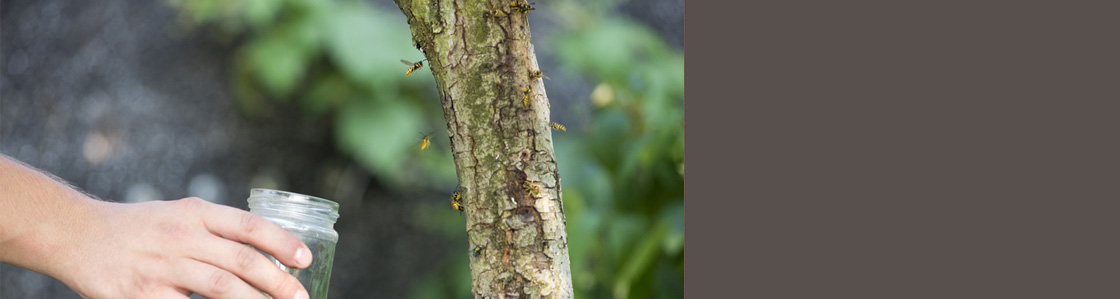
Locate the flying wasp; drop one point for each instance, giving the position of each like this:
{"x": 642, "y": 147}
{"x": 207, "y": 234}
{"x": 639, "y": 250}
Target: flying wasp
{"x": 522, "y": 5}
{"x": 426, "y": 142}
{"x": 528, "y": 90}
{"x": 537, "y": 74}
{"x": 413, "y": 66}
{"x": 558, "y": 127}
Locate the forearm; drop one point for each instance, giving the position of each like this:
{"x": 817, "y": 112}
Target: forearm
{"x": 41, "y": 219}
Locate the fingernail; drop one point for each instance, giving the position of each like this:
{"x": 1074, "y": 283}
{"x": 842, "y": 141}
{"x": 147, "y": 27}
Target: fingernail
{"x": 303, "y": 257}
{"x": 301, "y": 294}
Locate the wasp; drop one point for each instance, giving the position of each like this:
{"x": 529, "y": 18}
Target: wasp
{"x": 558, "y": 127}
{"x": 457, "y": 201}
{"x": 457, "y": 196}
{"x": 458, "y": 206}
{"x": 522, "y": 5}
{"x": 413, "y": 66}
{"x": 493, "y": 13}
{"x": 530, "y": 187}
{"x": 426, "y": 142}
{"x": 528, "y": 91}
{"x": 537, "y": 74}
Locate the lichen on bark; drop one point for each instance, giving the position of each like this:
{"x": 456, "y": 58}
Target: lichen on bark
{"x": 502, "y": 146}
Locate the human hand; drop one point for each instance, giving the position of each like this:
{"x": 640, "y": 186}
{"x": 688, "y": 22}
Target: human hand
{"x": 170, "y": 249}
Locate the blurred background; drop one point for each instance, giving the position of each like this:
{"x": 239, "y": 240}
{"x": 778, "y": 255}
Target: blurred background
{"x": 158, "y": 100}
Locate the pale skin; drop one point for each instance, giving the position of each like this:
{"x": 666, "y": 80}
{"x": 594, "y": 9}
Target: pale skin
{"x": 159, "y": 249}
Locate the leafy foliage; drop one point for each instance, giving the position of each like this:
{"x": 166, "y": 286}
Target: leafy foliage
{"x": 624, "y": 180}
{"x": 339, "y": 58}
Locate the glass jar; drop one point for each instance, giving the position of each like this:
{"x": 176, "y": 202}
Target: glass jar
{"x": 309, "y": 218}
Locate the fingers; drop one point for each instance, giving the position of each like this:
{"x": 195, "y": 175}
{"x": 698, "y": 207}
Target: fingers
{"x": 251, "y": 266}
{"x": 244, "y": 227}
{"x": 209, "y": 281}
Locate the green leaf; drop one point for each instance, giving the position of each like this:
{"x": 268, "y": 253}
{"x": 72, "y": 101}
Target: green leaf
{"x": 367, "y": 45}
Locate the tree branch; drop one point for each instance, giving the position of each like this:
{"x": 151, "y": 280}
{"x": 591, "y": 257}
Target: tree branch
{"x": 497, "y": 120}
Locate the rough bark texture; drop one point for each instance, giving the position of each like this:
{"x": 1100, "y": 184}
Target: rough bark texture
{"x": 499, "y": 142}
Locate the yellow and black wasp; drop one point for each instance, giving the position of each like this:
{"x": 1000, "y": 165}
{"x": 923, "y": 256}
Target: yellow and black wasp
{"x": 537, "y": 74}
{"x": 528, "y": 90}
{"x": 531, "y": 187}
{"x": 412, "y": 66}
{"x": 426, "y": 142}
{"x": 493, "y": 13}
{"x": 457, "y": 201}
{"x": 522, "y": 5}
{"x": 558, "y": 127}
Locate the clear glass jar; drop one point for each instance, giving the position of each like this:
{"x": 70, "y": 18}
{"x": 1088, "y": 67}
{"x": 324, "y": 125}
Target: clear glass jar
{"x": 312, "y": 220}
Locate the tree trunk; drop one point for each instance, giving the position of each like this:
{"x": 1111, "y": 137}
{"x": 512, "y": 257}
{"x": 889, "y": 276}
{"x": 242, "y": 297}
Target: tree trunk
{"x": 501, "y": 143}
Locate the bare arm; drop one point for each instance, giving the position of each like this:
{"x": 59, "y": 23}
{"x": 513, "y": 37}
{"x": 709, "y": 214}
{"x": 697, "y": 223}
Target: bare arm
{"x": 164, "y": 249}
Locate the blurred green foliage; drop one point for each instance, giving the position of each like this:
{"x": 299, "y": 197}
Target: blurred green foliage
{"x": 339, "y": 58}
{"x": 622, "y": 171}
{"x": 624, "y": 176}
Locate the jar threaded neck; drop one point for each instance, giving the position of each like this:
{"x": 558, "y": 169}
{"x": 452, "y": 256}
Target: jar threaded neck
{"x": 285, "y": 204}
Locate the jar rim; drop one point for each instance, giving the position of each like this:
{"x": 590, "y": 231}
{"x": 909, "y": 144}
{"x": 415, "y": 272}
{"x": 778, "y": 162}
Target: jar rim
{"x": 292, "y": 196}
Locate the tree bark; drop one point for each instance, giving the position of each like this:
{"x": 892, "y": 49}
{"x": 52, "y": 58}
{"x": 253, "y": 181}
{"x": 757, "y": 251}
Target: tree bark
{"x": 501, "y": 143}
